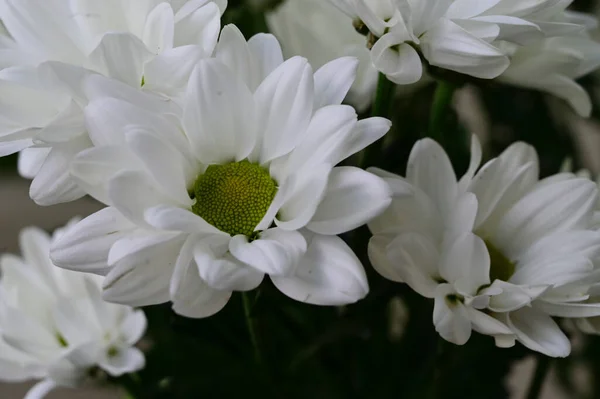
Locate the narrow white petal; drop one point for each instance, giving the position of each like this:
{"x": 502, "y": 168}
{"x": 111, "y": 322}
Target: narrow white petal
{"x": 219, "y": 116}
{"x": 333, "y": 81}
{"x": 284, "y": 103}
{"x": 539, "y": 332}
{"x": 41, "y": 389}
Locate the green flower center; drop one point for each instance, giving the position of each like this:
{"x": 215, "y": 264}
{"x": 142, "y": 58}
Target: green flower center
{"x": 234, "y": 197}
{"x": 500, "y": 267}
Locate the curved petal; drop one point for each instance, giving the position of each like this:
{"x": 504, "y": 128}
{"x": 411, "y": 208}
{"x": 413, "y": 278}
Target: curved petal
{"x": 284, "y": 102}
{"x": 450, "y": 316}
{"x": 142, "y": 278}
{"x": 353, "y": 197}
{"x": 328, "y": 274}
{"x": 122, "y": 361}
{"x": 539, "y": 332}
{"x": 276, "y": 252}
{"x": 41, "y": 389}
{"x": 85, "y": 246}
{"x": 221, "y": 271}
{"x": 399, "y": 62}
{"x": 191, "y": 296}
{"x": 333, "y": 81}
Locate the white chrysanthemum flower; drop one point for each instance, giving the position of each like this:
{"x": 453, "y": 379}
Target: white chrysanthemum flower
{"x": 54, "y": 44}
{"x": 54, "y": 324}
{"x": 538, "y": 235}
{"x": 553, "y": 65}
{"x": 315, "y": 29}
{"x": 242, "y": 184}
{"x": 460, "y": 35}
{"x": 425, "y": 239}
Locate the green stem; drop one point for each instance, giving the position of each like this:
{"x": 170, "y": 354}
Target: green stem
{"x": 252, "y": 324}
{"x": 441, "y": 103}
{"x": 541, "y": 371}
{"x": 382, "y": 106}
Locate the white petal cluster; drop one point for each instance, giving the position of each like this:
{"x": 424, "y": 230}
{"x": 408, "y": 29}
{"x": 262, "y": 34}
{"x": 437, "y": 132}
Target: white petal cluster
{"x": 317, "y": 30}
{"x": 501, "y": 251}
{"x": 54, "y": 324}
{"x": 535, "y": 44}
{"x": 50, "y": 47}
{"x": 554, "y": 64}
{"x": 187, "y": 221}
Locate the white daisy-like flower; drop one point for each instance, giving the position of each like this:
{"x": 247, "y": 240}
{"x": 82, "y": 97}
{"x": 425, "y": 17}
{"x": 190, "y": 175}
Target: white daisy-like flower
{"x": 459, "y": 35}
{"x": 51, "y": 47}
{"x": 425, "y": 239}
{"x": 317, "y": 30}
{"x": 242, "y": 184}
{"x": 554, "y": 64}
{"x": 54, "y": 325}
{"x": 538, "y": 235}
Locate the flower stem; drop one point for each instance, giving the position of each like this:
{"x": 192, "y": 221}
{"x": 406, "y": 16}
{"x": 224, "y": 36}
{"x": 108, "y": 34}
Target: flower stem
{"x": 252, "y": 324}
{"x": 381, "y": 107}
{"x": 441, "y": 103}
{"x": 541, "y": 370}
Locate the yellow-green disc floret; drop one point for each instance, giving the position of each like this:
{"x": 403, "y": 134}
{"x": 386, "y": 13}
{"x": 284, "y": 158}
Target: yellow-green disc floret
{"x": 234, "y": 197}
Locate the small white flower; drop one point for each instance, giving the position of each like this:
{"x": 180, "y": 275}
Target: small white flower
{"x": 554, "y": 64}
{"x": 424, "y": 239}
{"x": 55, "y": 44}
{"x": 240, "y": 185}
{"x": 538, "y": 234}
{"x": 318, "y": 31}
{"x": 54, "y": 324}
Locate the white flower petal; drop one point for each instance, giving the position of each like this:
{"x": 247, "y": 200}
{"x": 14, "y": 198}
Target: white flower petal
{"x": 172, "y": 218}
{"x": 53, "y": 184}
{"x": 328, "y": 274}
{"x": 221, "y": 271}
{"x": 219, "y": 116}
{"x": 142, "y": 278}
{"x": 550, "y": 209}
{"x": 429, "y": 169}
{"x": 85, "y": 246}
{"x": 451, "y": 318}
{"x": 333, "y": 81}
{"x": 466, "y": 264}
{"x": 276, "y": 252}
{"x": 284, "y": 103}
{"x": 539, "y": 332}
{"x": 200, "y": 26}
{"x": 191, "y": 296}
{"x": 159, "y": 31}
{"x": 415, "y": 259}
{"x": 122, "y": 56}
{"x": 41, "y": 389}
{"x": 125, "y": 360}
{"x": 353, "y": 197}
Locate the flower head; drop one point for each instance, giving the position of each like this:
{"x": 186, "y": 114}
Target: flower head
{"x": 500, "y": 240}
{"x": 461, "y": 36}
{"x": 54, "y": 324}
{"x": 146, "y": 44}
{"x": 240, "y": 184}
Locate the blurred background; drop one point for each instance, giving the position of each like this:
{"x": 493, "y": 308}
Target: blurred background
{"x": 500, "y": 115}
